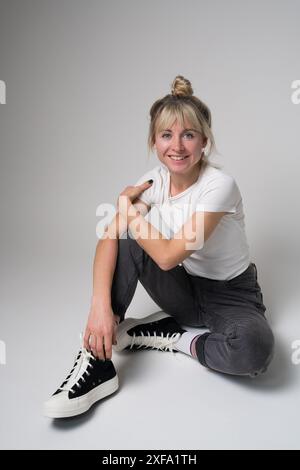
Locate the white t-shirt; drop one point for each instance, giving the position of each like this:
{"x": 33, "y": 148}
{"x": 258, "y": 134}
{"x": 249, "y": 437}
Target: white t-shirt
{"x": 225, "y": 254}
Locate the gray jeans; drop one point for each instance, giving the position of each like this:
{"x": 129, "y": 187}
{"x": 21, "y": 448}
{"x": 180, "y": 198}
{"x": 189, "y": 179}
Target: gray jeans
{"x": 240, "y": 340}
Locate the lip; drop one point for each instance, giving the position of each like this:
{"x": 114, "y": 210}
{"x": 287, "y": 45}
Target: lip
{"x": 179, "y": 162}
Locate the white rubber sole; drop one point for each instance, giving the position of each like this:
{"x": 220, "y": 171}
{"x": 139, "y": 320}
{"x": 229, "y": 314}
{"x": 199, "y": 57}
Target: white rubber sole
{"x": 82, "y": 404}
{"x": 123, "y": 339}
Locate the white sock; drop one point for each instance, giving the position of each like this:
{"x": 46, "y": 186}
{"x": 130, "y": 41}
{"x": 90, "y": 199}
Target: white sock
{"x": 185, "y": 341}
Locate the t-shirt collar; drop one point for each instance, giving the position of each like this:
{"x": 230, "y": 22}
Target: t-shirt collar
{"x": 187, "y": 190}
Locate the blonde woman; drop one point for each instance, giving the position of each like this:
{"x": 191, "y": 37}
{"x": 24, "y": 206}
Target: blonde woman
{"x": 193, "y": 260}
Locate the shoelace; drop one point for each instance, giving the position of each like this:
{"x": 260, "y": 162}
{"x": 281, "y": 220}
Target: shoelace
{"x": 77, "y": 373}
{"x": 155, "y": 342}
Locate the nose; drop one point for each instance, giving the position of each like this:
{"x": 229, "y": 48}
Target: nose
{"x": 177, "y": 144}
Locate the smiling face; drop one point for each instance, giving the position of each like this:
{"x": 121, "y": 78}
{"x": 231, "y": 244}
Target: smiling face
{"x": 182, "y": 142}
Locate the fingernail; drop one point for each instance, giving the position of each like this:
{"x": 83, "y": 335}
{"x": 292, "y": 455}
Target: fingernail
{"x": 150, "y": 181}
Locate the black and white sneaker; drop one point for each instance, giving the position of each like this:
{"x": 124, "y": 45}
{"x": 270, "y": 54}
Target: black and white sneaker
{"x": 157, "y": 331}
{"x": 90, "y": 380}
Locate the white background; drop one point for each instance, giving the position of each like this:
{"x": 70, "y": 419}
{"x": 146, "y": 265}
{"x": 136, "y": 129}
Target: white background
{"x": 81, "y": 77}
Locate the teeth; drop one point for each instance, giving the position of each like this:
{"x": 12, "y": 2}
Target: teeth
{"x": 176, "y": 158}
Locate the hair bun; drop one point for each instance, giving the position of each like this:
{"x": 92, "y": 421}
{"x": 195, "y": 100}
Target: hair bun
{"x": 181, "y": 87}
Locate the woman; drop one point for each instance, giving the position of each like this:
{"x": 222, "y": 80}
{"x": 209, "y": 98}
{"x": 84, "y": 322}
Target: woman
{"x": 193, "y": 260}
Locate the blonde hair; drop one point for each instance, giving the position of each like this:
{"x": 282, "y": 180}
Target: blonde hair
{"x": 181, "y": 104}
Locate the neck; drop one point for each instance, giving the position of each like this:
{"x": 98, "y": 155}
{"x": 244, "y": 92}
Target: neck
{"x": 180, "y": 183}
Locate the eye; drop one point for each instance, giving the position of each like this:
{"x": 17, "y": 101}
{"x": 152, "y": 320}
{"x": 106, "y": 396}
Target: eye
{"x": 168, "y": 134}
{"x": 189, "y": 133}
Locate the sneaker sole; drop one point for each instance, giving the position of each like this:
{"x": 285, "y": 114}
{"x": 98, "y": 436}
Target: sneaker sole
{"x": 128, "y": 323}
{"x": 102, "y": 391}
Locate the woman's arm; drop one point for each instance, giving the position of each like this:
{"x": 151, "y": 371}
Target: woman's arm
{"x": 168, "y": 253}
{"x": 104, "y": 267}
{"x": 100, "y": 331}
{"x": 106, "y": 257}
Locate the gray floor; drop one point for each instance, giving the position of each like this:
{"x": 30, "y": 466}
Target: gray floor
{"x": 164, "y": 401}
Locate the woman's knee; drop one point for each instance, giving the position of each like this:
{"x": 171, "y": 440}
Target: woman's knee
{"x": 257, "y": 349}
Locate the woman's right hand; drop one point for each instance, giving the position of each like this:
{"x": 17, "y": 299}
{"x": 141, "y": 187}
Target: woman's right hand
{"x": 100, "y": 332}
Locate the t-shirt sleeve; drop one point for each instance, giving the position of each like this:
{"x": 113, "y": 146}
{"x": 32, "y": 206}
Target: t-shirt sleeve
{"x": 148, "y": 196}
{"x": 220, "y": 195}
